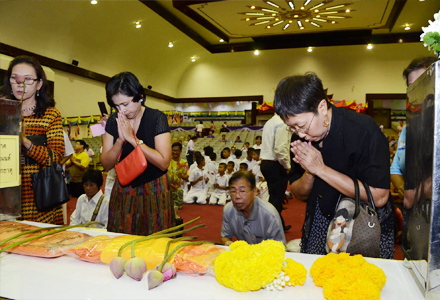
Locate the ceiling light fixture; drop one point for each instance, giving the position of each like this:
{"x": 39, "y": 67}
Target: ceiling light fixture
{"x": 347, "y": 10}
{"x": 407, "y": 27}
{"x": 138, "y": 24}
{"x": 292, "y": 6}
{"x": 193, "y": 59}
{"x": 94, "y": 2}
{"x": 369, "y": 46}
{"x": 221, "y": 40}
{"x": 252, "y": 7}
{"x": 316, "y": 6}
{"x": 333, "y": 22}
{"x": 300, "y": 25}
{"x": 273, "y": 4}
{"x": 285, "y": 26}
{"x": 170, "y": 45}
{"x": 400, "y": 41}
{"x": 310, "y": 49}
{"x": 316, "y": 25}
{"x": 277, "y": 23}
{"x": 260, "y": 23}
{"x": 256, "y": 52}
{"x": 268, "y": 26}
{"x": 247, "y": 19}
{"x": 302, "y": 7}
{"x": 307, "y": 2}
{"x": 269, "y": 10}
{"x": 335, "y": 7}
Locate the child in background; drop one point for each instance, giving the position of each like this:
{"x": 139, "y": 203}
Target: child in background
{"x": 186, "y": 184}
{"x": 237, "y": 159}
{"x": 226, "y": 155}
{"x": 197, "y": 193}
{"x": 230, "y": 169}
{"x": 256, "y": 169}
{"x": 210, "y": 171}
{"x": 233, "y": 149}
{"x": 91, "y": 206}
{"x": 249, "y": 160}
{"x": 257, "y": 142}
{"x": 243, "y": 167}
{"x": 220, "y": 193}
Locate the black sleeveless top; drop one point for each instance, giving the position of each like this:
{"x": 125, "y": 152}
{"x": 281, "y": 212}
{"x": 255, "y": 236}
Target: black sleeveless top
{"x": 153, "y": 122}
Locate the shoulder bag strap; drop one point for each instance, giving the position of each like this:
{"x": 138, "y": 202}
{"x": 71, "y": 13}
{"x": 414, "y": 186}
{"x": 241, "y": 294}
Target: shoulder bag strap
{"x": 357, "y": 198}
{"x": 369, "y": 195}
{"x": 98, "y": 206}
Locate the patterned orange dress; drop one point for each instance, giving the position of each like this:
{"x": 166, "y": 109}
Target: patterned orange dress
{"x": 50, "y": 125}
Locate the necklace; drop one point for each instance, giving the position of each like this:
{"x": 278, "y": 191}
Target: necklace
{"x": 29, "y": 108}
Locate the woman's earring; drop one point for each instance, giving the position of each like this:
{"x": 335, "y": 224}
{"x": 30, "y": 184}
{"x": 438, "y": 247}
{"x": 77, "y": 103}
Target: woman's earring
{"x": 326, "y": 122}
{"x": 38, "y": 93}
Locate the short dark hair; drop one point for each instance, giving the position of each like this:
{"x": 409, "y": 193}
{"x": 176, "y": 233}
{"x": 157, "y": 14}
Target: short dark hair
{"x": 201, "y": 122}
{"x": 258, "y": 151}
{"x": 213, "y": 156}
{"x": 197, "y": 153}
{"x": 94, "y": 176}
{"x": 125, "y": 83}
{"x": 199, "y": 159}
{"x": 258, "y": 137}
{"x": 194, "y": 137}
{"x": 299, "y": 94}
{"x": 250, "y": 151}
{"x": 44, "y": 98}
{"x": 247, "y": 143}
{"x": 243, "y": 164}
{"x": 81, "y": 142}
{"x": 208, "y": 150}
{"x": 231, "y": 163}
{"x": 177, "y": 144}
{"x": 222, "y": 164}
{"x": 249, "y": 177}
{"x": 227, "y": 149}
{"x": 238, "y": 136}
{"x": 418, "y": 63}
{"x": 238, "y": 153}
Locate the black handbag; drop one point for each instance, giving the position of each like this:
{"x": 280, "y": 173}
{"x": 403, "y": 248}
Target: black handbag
{"x": 355, "y": 228}
{"x": 49, "y": 187}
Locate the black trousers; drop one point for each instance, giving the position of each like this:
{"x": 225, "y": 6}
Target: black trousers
{"x": 276, "y": 177}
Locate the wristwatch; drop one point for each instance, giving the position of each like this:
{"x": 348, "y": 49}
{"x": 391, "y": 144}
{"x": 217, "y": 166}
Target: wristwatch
{"x": 140, "y": 142}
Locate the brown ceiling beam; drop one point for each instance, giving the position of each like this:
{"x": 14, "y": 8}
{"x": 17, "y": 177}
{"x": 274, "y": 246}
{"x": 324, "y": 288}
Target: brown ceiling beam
{"x": 56, "y": 64}
{"x": 395, "y": 13}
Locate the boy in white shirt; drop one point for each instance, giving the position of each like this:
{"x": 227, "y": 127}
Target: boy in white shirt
{"x": 237, "y": 159}
{"x": 210, "y": 171}
{"x": 249, "y": 160}
{"x": 230, "y": 169}
{"x": 226, "y": 156}
{"x": 92, "y": 201}
{"x": 221, "y": 185}
{"x": 256, "y": 169}
{"x": 197, "y": 194}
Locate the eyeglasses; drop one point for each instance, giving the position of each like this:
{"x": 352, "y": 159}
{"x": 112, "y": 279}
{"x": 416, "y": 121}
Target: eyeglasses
{"x": 241, "y": 192}
{"x": 302, "y": 130}
{"x": 27, "y": 80}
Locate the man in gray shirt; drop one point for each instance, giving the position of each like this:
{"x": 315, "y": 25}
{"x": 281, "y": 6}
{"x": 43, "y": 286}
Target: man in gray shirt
{"x": 247, "y": 217}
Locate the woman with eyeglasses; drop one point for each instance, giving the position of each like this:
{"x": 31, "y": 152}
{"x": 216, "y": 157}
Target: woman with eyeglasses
{"x": 25, "y": 79}
{"x": 145, "y": 205}
{"x": 330, "y": 146}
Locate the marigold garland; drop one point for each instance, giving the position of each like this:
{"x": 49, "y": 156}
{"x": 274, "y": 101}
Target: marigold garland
{"x": 347, "y": 277}
{"x": 296, "y": 272}
{"x": 249, "y": 267}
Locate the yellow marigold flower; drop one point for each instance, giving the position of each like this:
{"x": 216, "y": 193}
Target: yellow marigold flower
{"x": 347, "y": 277}
{"x": 295, "y": 271}
{"x": 249, "y": 267}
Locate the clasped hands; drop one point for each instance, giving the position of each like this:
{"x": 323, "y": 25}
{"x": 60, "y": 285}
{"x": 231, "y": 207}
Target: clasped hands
{"x": 307, "y": 156}
{"x": 125, "y": 129}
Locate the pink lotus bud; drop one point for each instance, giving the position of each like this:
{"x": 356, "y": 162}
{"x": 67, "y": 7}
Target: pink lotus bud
{"x": 19, "y": 79}
{"x": 117, "y": 266}
{"x": 135, "y": 268}
{"x": 155, "y": 278}
{"x": 167, "y": 275}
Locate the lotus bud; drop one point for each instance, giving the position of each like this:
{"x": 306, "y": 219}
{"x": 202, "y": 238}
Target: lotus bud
{"x": 174, "y": 271}
{"x": 19, "y": 79}
{"x": 167, "y": 275}
{"x": 135, "y": 268}
{"x": 155, "y": 278}
{"x": 117, "y": 266}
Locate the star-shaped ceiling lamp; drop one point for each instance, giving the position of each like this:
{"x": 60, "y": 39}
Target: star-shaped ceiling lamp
{"x": 318, "y": 15}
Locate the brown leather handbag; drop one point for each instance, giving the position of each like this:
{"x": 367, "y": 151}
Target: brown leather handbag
{"x": 131, "y": 166}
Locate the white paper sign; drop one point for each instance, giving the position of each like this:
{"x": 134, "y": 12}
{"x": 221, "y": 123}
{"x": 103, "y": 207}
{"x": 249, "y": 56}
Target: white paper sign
{"x": 9, "y": 161}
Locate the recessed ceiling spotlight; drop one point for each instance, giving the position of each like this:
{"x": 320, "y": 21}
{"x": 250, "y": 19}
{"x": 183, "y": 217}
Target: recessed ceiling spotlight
{"x": 306, "y": 20}
{"x": 170, "y": 44}
{"x": 268, "y": 26}
{"x": 302, "y": 7}
{"x": 295, "y": 16}
{"x": 347, "y": 10}
{"x": 290, "y": 21}
{"x": 252, "y": 7}
{"x": 407, "y": 27}
{"x": 333, "y": 22}
{"x": 316, "y": 10}
{"x": 256, "y": 52}
{"x": 138, "y": 24}
{"x": 369, "y": 46}
{"x": 193, "y": 59}
{"x": 310, "y": 49}
{"x": 94, "y": 2}
{"x": 247, "y": 19}
{"x": 400, "y": 41}
{"x": 221, "y": 40}
{"x": 318, "y": 16}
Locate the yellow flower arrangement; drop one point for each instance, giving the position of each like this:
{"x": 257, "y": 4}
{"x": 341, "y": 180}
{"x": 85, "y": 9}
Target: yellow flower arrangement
{"x": 249, "y": 267}
{"x": 296, "y": 272}
{"x": 347, "y": 277}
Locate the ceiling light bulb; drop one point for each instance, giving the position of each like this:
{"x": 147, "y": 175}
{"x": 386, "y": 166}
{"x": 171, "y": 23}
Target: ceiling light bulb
{"x": 221, "y": 40}
{"x": 306, "y": 20}
{"x": 295, "y": 16}
{"x": 93, "y": 2}
{"x": 138, "y": 24}
{"x": 400, "y": 41}
{"x": 273, "y": 15}
{"x": 369, "y": 46}
{"x": 407, "y": 27}
{"x": 247, "y": 19}
{"x": 276, "y": 19}
{"x": 316, "y": 10}
{"x": 193, "y": 59}
{"x": 301, "y": 28}
{"x": 290, "y": 21}
{"x": 256, "y": 52}
{"x": 268, "y": 26}
{"x": 318, "y": 16}
{"x": 347, "y": 10}
{"x": 333, "y": 22}
{"x": 170, "y": 44}
{"x": 302, "y": 7}
{"x": 252, "y": 7}
{"x": 310, "y": 49}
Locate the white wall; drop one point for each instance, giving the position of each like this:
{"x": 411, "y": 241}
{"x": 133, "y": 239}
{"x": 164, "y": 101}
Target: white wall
{"x": 349, "y": 72}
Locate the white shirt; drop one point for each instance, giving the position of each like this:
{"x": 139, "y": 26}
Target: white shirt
{"x": 68, "y": 149}
{"x": 256, "y": 171}
{"x": 251, "y": 164}
{"x": 210, "y": 170}
{"x": 276, "y": 142}
{"x": 190, "y": 146}
{"x": 90, "y": 153}
{"x": 222, "y": 181}
{"x": 226, "y": 160}
{"x": 257, "y": 146}
{"x": 84, "y": 210}
{"x": 199, "y": 127}
{"x": 194, "y": 175}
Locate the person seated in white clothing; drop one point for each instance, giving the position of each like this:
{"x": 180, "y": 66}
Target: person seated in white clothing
{"x": 230, "y": 168}
{"x": 245, "y": 148}
{"x": 197, "y": 180}
{"x": 256, "y": 169}
{"x": 91, "y": 206}
{"x": 90, "y": 152}
{"x": 233, "y": 149}
{"x": 210, "y": 172}
{"x": 243, "y": 167}
{"x": 237, "y": 159}
{"x": 226, "y": 156}
{"x": 249, "y": 160}
{"x": 221, "y": 187}
{"x": 257, "y": 142}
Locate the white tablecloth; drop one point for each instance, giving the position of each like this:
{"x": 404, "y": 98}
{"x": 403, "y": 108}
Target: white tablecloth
{"x": 23, "y": 277}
